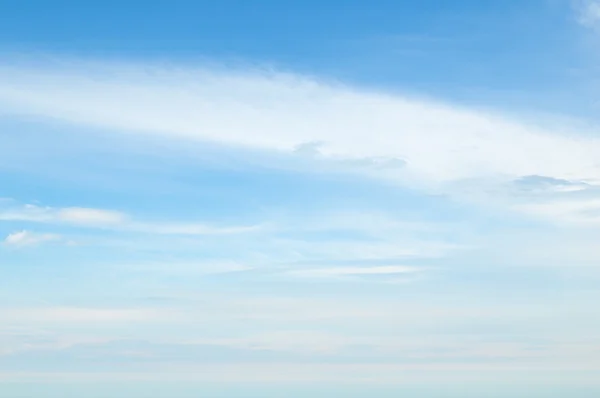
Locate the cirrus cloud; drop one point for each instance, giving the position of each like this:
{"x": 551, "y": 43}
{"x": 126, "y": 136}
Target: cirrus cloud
{"x": 436, "y": 142}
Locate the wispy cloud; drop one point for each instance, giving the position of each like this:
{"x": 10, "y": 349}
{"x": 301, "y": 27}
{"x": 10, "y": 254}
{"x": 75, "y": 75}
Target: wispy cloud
{"x": 358, "y": 237}
{"x": 467, "y": 153}
{"x": 187, "y": 268}
{"x": 111, "y": 220}
{"x": 28, "y": 238}
{"x": 184, "y": 221}
{"x": 49, "y": 315}
{"x": 433, "y": 146}
{"x": 437, "y": 142}
{"x": 340, "y": 272}
{"x": 77, "y": 215}
{"x": 357, "y": 375}
{"x": 588, "y": 12}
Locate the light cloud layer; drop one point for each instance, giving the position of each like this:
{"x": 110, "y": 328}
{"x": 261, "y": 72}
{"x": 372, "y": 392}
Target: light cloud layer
{"x": 465, "y": 152}
{"x": 435, "y": 147}
{"x": 178, "y": 220}
{"x": 438, "y": 142}
{"x": 187, "y": 268}
{"x": 78, "y": 315}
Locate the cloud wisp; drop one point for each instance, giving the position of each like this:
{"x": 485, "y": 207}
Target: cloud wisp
{"x": 430, "y": 145}
{"x": 353, "y": 272}
{"x": 588, "y": 12}
{"x": 28, "y": 238}
{"x": 437, "y": 142}
{"x": 112, "y": 220}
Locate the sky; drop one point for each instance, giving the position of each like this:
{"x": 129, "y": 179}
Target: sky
{"x": 355, "y": 198}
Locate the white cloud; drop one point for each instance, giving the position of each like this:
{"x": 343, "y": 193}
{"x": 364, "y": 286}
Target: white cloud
{"x": 27, "y": 238}
{"x": 299, "y": 341}
{"x": 113, "y": 220}
{"x": 441, "y": 145}
{"x": 439, "y": 142}
{"x": 577, "y": 212}
{"x": 78, "y": 215}
{"x": 336, "y": 272}
{"x": 79, "y": 315}
{"x": 354, "y": 250}
{"x": 187, "y": 268}
{"x": 168, "y": 228}
{"x": 68, "y": 215}
{"x": 468, "y": 153}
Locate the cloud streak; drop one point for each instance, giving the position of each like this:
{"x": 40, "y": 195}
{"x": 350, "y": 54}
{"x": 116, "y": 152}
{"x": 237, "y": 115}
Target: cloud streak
{"x": 111, "y": 220}
{"x": 28, "y": 238}
{"x": 437, "y": 142}
{"x": 51, "y": 315}
{"x": 340, "y": 272}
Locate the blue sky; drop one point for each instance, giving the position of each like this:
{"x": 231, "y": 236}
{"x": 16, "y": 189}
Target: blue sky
{"x": 269, "y": 198}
